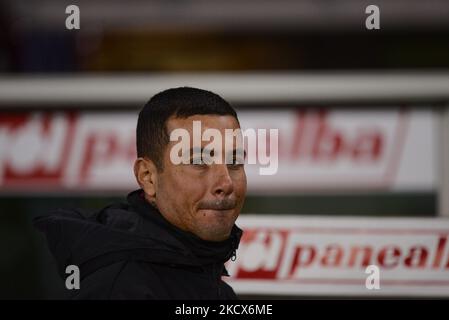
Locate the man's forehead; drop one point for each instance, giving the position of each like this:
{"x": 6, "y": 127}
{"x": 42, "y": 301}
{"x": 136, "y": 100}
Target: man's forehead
{"x": 220, "y": 122}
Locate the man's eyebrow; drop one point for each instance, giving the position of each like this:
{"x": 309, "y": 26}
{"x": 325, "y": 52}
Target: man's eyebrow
{"x": 238, "y": 151}
{"x": 200, "y": 150}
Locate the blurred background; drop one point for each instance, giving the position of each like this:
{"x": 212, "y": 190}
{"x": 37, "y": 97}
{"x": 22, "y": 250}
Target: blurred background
{"x": 363, "y": 114}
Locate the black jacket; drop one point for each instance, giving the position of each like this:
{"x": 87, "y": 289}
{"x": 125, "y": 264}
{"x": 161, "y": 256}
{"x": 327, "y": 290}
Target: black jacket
{"x": 129, "y": 251}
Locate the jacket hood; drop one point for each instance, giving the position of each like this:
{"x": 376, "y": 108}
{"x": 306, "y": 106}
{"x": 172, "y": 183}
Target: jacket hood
{"x": 117, "y": 232}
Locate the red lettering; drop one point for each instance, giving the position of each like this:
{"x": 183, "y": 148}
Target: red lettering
{"x": 417, "y": 257}
{"x": 302, "y": 260}
{"x": 367, "y": 253}
{"x": 368, "y": 147}
{"x": 332, "y": 256}
{"x": 440, "y": 251}
{"x": 389, "y": 257}
{"x": 328, "y": 143}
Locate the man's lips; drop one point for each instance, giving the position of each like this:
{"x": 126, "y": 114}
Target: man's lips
{"x": 218, "y": 205}
{"x": 219, "y": 210}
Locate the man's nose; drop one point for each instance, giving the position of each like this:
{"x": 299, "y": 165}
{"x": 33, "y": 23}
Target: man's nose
{"x": 223, "y": 184}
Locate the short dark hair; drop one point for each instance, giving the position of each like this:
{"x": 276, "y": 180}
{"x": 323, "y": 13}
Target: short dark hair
{"x": 151, "y": 132}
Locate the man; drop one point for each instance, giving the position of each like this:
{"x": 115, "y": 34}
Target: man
{"x": 171, "y": 238}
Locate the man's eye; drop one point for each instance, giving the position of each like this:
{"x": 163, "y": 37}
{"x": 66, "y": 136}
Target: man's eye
{"x": 197, "y": 162}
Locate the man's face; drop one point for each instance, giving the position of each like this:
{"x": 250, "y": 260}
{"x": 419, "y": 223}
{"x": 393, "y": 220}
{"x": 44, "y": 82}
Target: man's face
{"x": 204, "y": 199}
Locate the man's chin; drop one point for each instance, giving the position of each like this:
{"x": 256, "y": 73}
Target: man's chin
{"x": 215, "y": 232}
{"x": 215, "y": 225}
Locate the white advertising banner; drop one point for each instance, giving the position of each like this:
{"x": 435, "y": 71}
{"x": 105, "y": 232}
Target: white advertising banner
{"x": 335, "y": 256}
{"x": 334, "y": 149}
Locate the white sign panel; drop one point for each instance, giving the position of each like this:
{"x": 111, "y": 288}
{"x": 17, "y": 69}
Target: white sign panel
{"x": 317, "y": 150}
{"x": 334, "y": 256}
{"x": 349, "y": 149}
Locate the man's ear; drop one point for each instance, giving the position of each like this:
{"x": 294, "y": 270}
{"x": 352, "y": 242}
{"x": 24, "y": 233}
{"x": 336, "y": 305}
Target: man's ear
{"x": 145, "y": 172}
